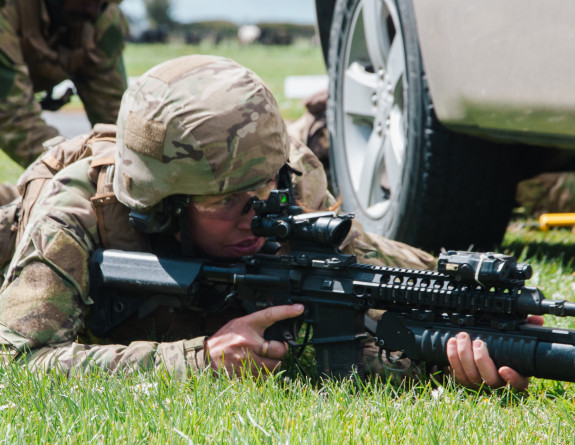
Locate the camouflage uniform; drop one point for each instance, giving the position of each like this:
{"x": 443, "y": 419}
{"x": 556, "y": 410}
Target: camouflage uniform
{"x": 36, "y": 54}
{"x": 311, "y": 128}
{"x": 7, "y": 193}
{"x": 44, "y": 299}
{"x": 548, "y": 193}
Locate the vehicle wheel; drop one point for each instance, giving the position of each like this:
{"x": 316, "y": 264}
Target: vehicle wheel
{"x": 401, "y": 172}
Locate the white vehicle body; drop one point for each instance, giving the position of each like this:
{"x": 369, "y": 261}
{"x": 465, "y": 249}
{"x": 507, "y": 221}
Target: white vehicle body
{"x": 501, "y": 67}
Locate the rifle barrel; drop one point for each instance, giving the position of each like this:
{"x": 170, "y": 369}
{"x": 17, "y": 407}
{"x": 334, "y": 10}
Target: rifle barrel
{"x": 532, "y": 302}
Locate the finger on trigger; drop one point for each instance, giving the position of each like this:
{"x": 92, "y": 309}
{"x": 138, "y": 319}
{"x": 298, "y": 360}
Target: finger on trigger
{"x": 267, "y": 317}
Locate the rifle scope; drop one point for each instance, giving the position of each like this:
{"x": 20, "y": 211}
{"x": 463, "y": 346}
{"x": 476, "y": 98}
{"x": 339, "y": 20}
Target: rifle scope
{"x": 277, "y": 219}
{"x": 321, "y": 228}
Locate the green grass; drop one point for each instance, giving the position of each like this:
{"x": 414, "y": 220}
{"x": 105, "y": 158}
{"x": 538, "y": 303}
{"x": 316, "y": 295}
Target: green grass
{"x": 272, "y": 63}
{"x": 152, "y": 408}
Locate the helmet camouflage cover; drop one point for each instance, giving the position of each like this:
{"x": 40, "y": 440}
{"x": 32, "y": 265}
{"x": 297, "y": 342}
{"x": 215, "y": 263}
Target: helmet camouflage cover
{"x": 196, "y": 125}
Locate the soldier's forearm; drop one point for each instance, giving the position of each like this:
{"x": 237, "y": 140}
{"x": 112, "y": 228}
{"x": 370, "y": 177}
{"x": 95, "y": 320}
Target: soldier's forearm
{"x": 180, "y": 358}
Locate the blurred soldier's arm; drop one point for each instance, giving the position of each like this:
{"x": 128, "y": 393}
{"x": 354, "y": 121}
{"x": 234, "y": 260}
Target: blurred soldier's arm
{"x": 22, "y": 130}
{"x": 102, "y": 81}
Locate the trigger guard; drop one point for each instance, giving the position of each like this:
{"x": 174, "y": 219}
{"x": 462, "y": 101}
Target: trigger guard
{"x": 283, "y": 331}
{"x": 392, "y": 359}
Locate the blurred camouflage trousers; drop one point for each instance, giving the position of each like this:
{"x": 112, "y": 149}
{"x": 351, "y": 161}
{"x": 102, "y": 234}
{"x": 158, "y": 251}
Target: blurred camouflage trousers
{"x": 548, "y": 193}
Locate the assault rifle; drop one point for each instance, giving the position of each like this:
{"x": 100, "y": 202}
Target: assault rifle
{"x": 483, "y": 294}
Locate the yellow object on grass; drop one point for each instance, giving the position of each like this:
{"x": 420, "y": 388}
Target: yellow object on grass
{"x": 548, "y": 220}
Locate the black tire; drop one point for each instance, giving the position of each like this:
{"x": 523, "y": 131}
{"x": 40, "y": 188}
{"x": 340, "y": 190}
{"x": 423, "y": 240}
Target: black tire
{"x": 450, "y": 190}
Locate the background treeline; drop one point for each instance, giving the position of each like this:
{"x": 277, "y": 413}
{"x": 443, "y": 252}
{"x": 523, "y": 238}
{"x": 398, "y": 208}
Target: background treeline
{"x": 160, "y": 26}
{"x": 218, "y": 31}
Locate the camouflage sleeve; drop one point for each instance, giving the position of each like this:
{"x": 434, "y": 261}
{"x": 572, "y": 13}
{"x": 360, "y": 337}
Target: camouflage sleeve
{"x": 102, "y": 81}
{"x": 179, "y": 358}
{"x": 380, "y": 251}
{"x": 22, "y": 129}
{"x": 45, "y": 298}
{"x": 310, "y": 182}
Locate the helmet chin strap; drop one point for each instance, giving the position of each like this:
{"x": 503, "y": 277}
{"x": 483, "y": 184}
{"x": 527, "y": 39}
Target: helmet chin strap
{"x": 181, "y": 209}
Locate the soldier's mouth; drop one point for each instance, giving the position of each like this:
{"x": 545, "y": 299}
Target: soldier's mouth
{"x": 247, "y": 243}
{"x": 248, "y": 246}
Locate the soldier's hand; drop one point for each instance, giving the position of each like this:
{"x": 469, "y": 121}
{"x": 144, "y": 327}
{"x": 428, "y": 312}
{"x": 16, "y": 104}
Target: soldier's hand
{"x": 471, "y": 365}
{"x": 240, "y": 344}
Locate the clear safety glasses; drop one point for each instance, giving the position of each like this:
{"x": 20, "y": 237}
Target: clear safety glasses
{"x": 232, "y": 205}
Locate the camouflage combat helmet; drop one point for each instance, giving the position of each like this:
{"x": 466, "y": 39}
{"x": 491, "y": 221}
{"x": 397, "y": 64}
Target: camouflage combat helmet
{"x": 196, "y": 125}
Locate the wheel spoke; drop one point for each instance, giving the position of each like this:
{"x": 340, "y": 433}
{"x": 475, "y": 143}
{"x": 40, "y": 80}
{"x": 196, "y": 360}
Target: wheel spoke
{"x": 373, "y": 106}
{"x": 369, "y": 175}
{"x": 393, "y": 149}
{"x": 358, "y": 89}
{"x": 395, "y": 66}
{"x": 375, "y": 32}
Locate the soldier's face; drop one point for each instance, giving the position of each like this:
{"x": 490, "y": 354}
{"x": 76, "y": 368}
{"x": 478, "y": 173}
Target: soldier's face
{"x": 221, "y": 225}
{"x": 224, "y": 237}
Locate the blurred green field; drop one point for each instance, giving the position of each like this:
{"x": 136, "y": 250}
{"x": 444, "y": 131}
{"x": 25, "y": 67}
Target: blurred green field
{"x": 9, "y": 170}
{"x": 272, "y": 63}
